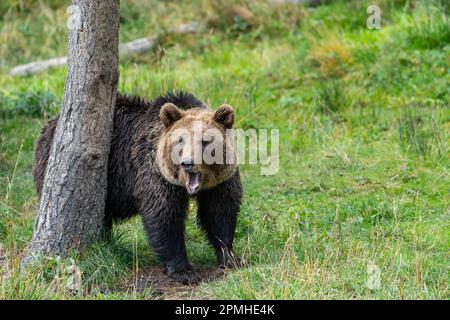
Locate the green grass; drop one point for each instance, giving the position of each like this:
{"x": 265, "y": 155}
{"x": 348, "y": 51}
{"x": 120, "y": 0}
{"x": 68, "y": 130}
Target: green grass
{"x": 364, "y": 159}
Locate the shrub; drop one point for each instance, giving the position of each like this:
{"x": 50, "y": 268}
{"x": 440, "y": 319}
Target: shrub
{"x": 432, "y": 33}
{"x": 33, "y": 104}
{"x": 331, "y": 98}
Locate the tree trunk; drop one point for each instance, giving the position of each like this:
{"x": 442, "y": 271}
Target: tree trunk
{"x": 71, "y": 209}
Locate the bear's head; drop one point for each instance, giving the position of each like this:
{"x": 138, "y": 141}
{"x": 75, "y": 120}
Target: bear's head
{"x": 196, "y": 148}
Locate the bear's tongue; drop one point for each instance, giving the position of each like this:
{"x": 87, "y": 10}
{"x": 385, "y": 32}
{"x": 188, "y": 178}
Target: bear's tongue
{"x": 193, "y": 182}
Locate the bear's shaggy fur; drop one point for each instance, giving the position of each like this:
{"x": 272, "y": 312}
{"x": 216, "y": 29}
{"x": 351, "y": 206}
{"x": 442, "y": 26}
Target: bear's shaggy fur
{"x": 143, "y": 180}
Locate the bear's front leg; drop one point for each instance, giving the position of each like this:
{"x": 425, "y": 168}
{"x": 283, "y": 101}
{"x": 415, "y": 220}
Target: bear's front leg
{"x": 164, "y": 218}
{"x": 217, "y": 214}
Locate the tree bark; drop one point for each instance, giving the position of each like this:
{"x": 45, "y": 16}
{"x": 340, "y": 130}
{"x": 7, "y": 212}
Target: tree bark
{"x": 71, "y": 209}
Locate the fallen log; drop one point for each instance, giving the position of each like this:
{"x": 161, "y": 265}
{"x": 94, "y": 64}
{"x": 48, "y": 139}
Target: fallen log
{"x": 137, "y": 46}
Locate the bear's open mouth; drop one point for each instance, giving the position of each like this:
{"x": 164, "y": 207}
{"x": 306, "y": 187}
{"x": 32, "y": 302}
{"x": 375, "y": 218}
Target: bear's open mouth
{"x": 192, "y": 182}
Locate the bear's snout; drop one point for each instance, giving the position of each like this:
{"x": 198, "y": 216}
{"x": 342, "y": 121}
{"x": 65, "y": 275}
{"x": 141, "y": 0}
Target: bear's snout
{"x": 187, "y": 165}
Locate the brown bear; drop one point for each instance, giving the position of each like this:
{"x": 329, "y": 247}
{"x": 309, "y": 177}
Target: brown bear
{"x": 144, "y": 179}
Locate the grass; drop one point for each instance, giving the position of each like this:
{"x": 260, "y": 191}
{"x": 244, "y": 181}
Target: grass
{"x": 364, "y": 123}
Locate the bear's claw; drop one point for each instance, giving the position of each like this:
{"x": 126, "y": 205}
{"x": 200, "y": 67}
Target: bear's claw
{"x": 188, "y": 276}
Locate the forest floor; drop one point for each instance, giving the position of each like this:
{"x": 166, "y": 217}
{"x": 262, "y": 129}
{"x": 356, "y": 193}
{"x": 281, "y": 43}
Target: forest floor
{"x": 165, "y": 288}
{"x": 359, "y": 208}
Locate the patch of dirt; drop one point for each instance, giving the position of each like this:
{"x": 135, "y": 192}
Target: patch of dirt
{"x": 165, "y": 288}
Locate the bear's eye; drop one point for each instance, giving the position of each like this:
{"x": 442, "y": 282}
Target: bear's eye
{"x": 180, "y": 140}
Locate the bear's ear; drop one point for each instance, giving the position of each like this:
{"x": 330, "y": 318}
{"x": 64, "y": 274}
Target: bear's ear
{"x": 169, "y": 114}
{"x": 225, "y": 116}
